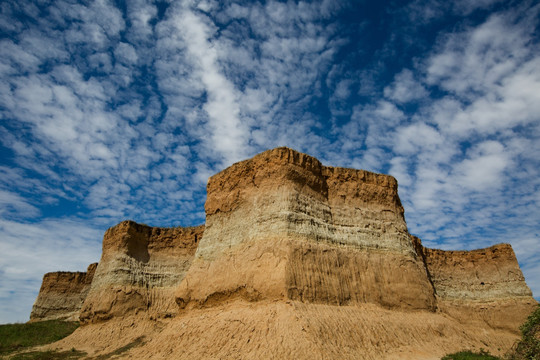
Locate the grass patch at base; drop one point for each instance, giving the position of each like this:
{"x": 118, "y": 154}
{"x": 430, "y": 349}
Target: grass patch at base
{"x": 49, "y": 355}
{"x": 469, "y": 355}
{"x": 529, "y": 346}
{"x": 14, "y": 337}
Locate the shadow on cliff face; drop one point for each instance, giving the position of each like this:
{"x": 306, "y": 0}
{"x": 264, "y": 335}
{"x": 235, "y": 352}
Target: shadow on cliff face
{"x": 137, "y": 244}
{"x": 137, "y": 342}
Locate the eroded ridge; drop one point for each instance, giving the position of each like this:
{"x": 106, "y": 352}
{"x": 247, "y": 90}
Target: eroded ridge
{"x": 62, "y": 294}
{"x": 282, "y": 225}
{"x": 139, "y": 269}
{"x": 484, "y": 285}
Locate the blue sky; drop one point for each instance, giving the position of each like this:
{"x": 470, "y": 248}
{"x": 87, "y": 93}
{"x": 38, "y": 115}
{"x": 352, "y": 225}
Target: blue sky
{"x": 115, "y": 110}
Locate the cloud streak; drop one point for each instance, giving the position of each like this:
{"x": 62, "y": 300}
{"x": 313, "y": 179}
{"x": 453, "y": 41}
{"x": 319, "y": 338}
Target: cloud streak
{"x": 227, "y": 133}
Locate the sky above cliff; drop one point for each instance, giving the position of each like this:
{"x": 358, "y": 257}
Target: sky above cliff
{"x": 114, "y": 110}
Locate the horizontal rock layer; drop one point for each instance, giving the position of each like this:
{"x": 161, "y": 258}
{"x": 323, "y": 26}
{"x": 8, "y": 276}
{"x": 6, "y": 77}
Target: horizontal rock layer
{"x": 296, "y": 195}
{"x": 483, "y": 285}
{"x": 62, "y": 294}
{"x": 281, "y": 225}
{"x": 483, "y": 274}
{"x": 139, "y": 269}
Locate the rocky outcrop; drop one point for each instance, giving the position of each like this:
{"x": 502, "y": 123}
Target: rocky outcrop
{"x": 62, "y": 294}
{"x": 476, "y": 275}
{"x": 139, "y": 269}
{"x": 283, "y": 226}
{"x": 483, "y": 285}
{"x": 297, "y": 260}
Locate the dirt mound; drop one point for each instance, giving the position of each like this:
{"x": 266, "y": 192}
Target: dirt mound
{"x": 288, "y": 330}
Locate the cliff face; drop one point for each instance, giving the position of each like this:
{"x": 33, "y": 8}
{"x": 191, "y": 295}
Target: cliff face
{"x": 297, "y": 260}
{"x": 62, "y": 294}
{"x": 483, "y": 285}
{"x": 477, "y": 275}
{"x": 281, "y": 225}
{"x": 139, "y": 269}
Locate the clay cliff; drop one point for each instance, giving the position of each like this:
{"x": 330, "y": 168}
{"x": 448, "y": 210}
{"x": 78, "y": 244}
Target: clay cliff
{"x": 484, "y": 285}
{"x": 292, "y": 228}
{"x": 139, "y": 270}
{"x": 298, "y": 260}
{"x": 62, "y": 294}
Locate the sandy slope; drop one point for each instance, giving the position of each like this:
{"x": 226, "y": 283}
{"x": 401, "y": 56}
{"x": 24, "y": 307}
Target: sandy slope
{"x": 289, "y": 330}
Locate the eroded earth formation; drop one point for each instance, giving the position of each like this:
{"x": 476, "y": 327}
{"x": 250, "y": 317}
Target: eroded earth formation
{"x": 296, "y": 261}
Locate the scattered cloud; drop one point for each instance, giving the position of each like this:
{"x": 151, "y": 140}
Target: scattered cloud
{"x": 29, "y": 250}
{"x": 405, "y": 88}
{"x": 483, "y": 167}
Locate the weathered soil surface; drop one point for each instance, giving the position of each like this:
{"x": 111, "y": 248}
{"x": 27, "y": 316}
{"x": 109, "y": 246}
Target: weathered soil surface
{"x": 290, "y": 330}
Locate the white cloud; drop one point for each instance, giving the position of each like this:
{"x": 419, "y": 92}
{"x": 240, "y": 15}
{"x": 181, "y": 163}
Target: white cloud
{"x": 79, "y": 128}
{"x": 12, "y": 204}
{"x": 400, "y": 170}
{"x": 227, "y": 134}
{"x": 29, "y": 250}
{"x": 343, "y": 90}
{"x": 140, "y": 14}
{"x": 126, "y": 53}
{"x": 417, "y": 137}
{"x": 69, "y": 118}
{"x": 516, "y": 101}
{"x": 17, "y": 59}
{"x": 405, "y": 88}
{"x": 483, "y": 169}
{"x": 251, "y": 88}
{"x": 476, "y": 60}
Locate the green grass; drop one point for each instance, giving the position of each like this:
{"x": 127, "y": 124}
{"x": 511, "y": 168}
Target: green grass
{"x": 49, "y": 355}
{"x": 528, "y": 347}
{"x": 468, "y": 355}
{"x": 15, "y": 337}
